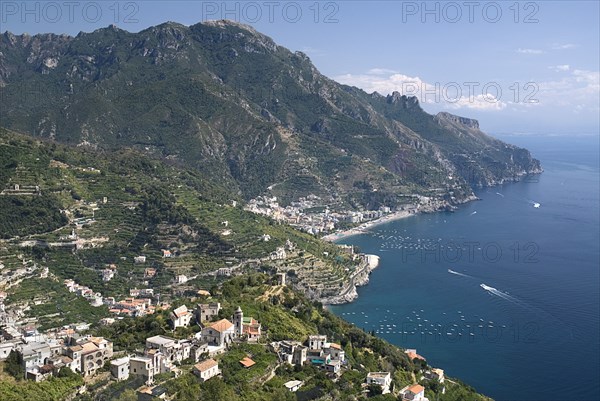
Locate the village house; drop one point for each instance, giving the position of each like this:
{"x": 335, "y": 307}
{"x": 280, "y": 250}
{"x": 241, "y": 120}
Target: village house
{"x": 278, "y": 254}
{"x": 383, "y": 379}
{"x": 181, "y": 317}
{"x": 119, "y": 368}
{"x": 293, "y": 385}
{"x": 89, "y": 354}
{"x": 166, "y": 253}
{"x": 412, "y": 354}
{"x": 416, "y": 392}
{"x": 247, "y": 362}
{"x": 171, "y": 350}
{"x": 207, "y": 312}
{"x": 139, "y": 259}
{"x": 206, "y": 369}
{"x": 152, "y": 393}
{"x": 435, "y": 374}
{"x": 291, "y": 352}
{"x": 142, "y": 366}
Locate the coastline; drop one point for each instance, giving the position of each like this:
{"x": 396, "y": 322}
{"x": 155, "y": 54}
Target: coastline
{"x": 364, "y": 227}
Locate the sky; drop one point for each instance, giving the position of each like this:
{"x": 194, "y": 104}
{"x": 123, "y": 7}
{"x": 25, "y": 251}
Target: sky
{"x": 522, "y": 67}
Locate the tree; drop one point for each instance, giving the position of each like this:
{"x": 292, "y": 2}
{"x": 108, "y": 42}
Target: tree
{"x": 127, "y": 395}
{"x": 14, "y": 365}
{"x": 374, "y": 389}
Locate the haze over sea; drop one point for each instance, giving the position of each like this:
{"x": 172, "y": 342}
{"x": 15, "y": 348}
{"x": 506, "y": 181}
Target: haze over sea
{"x": 532, "y": 331}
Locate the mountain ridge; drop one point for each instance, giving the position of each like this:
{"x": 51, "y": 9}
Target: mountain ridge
{"x": 226, "y": 99}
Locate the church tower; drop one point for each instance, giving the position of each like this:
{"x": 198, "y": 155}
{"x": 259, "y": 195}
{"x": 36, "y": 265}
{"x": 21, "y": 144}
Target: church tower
{"x": 238, "y": 322}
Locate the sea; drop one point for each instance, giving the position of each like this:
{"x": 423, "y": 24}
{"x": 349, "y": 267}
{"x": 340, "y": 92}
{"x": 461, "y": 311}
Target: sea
{"x": 503, "y": 293}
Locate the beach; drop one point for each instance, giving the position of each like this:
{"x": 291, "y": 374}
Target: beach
{"x": 364, "y": 227}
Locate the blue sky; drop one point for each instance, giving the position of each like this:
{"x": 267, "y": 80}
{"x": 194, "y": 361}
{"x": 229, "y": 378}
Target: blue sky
{"x": 518, "y": 67}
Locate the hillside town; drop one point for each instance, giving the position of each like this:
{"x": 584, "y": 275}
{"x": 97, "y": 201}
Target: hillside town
{"x": 42, "y": 355}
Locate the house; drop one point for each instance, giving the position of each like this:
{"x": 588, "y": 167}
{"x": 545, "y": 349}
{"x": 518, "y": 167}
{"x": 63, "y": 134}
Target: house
{"x": 120, "y": 368}
{"x": 170, "y": 349}
{"x": 247, "y": 362}
{"x": 181, "y": 279}
{"x": 152, "y": 393}
{"x": 333, "y": 367}
{"x": 291, "y": 352}
{"x": 149, "y": 272}
{"x": 293, "y": 385}
{"x": 383, "y": 379}
{"x": 412, "y": 354}
{"x": 207, "y": 312}
{"x": 107, "y": 274}
{"x": 166, "y": 253}
{"x": 181, "y": 317}
{"x": 34, "y": 354}
{"x": 142, "y": 366}
{"x": 94, "y": 353}
{"x": 335, "y": 351}
{"x": 219, "y": 333}
{"x": 203, "y": 293}
{"x": 206, "y": 369}
{"x": 278, "y": 254}
{"x": 316, "y": 341}
{"x": 416, "y": 392}
{"x": 198, "y": 350}
{"x": 139, "y": 259}
{"x": 436, "y": 374}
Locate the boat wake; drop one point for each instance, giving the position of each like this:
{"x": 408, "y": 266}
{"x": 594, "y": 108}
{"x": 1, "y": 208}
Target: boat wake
{"x": 503, "y": 295}
{"x": 459, "y": 274}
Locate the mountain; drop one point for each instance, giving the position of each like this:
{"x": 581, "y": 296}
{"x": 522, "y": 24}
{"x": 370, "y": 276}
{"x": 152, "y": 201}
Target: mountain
{"x": 253, "y": 116}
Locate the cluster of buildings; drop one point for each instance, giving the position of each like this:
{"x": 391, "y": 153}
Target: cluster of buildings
{"x": 43, "y": 355}
{"x": 94, "y": 298}
{"x": 161, "y": 354}
{"x": 318, "y": 352}
{"x": 301, "y": 214}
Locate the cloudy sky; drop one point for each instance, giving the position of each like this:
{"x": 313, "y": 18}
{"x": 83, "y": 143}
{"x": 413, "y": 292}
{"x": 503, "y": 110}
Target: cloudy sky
{"x": 518, "y": 67}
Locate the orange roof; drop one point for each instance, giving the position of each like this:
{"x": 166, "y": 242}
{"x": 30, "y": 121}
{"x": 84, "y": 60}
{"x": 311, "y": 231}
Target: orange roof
{"x": 413, "y": 355}
{"x": 416, "y": 388}
{"x": 222, "y": 325}
{"x": 247, "y": 362}
{"x": 205, "y": 365}
{"x": 251, "y": 330}
{"x": 89, "y": 347}
{"x": 336, "y": 346}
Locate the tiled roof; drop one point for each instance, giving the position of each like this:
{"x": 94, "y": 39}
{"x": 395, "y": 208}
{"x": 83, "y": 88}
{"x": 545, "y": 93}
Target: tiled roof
{"x": 247, "y": 362}
{"x": 205, "y": 365}
{"x": 222, "y": 325}
{"x": 416, "y": 388}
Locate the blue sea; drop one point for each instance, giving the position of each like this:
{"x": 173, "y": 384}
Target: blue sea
{"x": 500, "y": 294}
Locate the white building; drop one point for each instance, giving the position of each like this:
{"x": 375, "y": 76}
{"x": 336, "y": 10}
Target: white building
{"x": 181, "y": 317}
{"x": 206, "y": 369}
{"x": 120, "y": 368}
{"x": 384, "y": 379}
{"x": 317, "y": 341}
{"x": 293, "y": 385}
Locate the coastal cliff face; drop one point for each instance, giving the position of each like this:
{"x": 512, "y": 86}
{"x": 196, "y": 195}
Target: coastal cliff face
{"x": 254, "y": 116}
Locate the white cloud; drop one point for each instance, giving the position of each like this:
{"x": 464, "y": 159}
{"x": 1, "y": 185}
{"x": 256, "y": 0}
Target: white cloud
{"x": 561, "y": 67}
{"x": 381, "y": 71}
{"x": 578, "y": 91}
{"x": 529, "y": 51}
{"x": 452, "y": 95}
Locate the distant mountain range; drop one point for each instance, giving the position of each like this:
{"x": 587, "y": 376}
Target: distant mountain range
{"x": 252, "y": 116}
